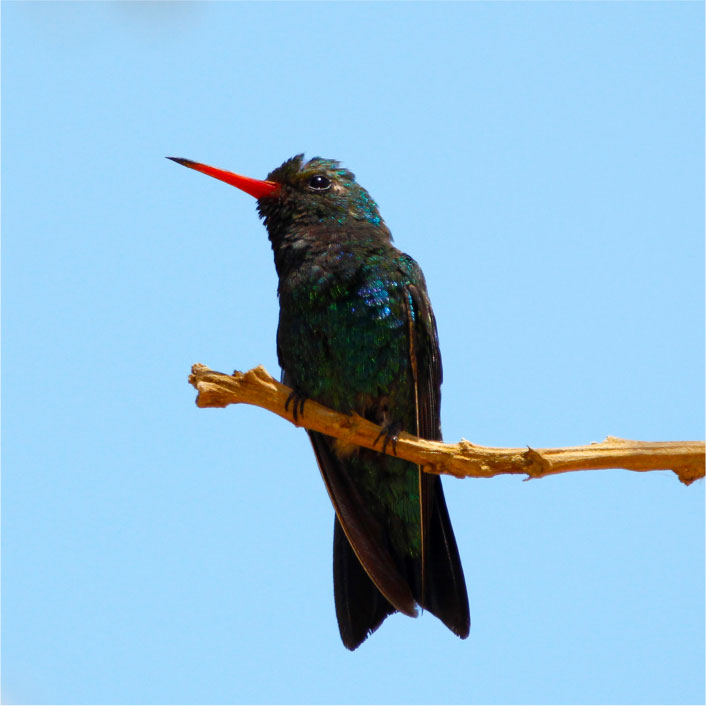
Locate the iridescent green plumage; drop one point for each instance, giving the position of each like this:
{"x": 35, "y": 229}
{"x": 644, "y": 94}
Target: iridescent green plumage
{"x": 357, "y": 333}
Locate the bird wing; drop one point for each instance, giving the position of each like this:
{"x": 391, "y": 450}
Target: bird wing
{"x": 425, "y": 362}
{"x": 425, "y": 359}
{"x": 364, "y": 533}
{"x": 443, "y": 584}
{"x": 362, "y": 529}
{"x": 360, "y": 607}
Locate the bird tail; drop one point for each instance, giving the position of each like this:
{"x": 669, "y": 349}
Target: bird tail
{"x": 361, "y": 608}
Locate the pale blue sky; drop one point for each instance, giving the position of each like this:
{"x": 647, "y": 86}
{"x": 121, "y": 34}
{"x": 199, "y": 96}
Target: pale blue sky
{"x": 544, "y": 164}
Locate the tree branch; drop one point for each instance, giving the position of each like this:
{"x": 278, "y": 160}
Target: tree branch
{"x": 464, "y": 459}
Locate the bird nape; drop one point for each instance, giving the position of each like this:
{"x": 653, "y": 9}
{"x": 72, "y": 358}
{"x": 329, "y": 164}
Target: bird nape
{"x": 357, "y": 333}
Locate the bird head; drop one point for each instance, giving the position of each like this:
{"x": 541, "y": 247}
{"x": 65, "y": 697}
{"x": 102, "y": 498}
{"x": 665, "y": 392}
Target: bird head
{"x": 303, "y": 193}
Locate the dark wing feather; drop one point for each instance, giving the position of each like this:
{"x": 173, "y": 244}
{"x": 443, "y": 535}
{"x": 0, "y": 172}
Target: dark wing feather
{"x": 367, "y": 583}
{"x": 444, "y": 586}
{"x": 361, "y": 528}
{"x": 426, "y": 356}
{"x": 360, "y": 607}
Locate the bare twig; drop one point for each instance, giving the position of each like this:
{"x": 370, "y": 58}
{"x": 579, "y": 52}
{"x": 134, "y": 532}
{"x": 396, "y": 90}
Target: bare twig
{"x": 464, "y": 459}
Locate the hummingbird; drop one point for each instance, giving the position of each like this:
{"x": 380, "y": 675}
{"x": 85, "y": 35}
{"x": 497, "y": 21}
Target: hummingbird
{"x": 357, "y": 333}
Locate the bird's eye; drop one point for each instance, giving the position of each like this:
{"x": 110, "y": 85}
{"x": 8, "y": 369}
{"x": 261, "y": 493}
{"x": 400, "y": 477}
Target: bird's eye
{"x": 319, "y": 182}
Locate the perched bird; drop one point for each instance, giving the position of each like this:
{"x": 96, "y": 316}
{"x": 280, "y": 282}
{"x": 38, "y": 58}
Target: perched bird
{"x": 357, "y": 333}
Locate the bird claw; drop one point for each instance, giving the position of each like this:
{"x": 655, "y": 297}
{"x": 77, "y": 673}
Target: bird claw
{"x": 298, "y": 399}
{"x": 391, "y": 432}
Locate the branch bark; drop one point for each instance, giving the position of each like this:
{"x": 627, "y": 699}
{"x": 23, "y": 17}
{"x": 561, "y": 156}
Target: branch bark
{"x": 462, "y": 460}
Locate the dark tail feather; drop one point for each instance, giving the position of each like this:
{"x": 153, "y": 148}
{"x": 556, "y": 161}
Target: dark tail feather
{"x": 360, "y": 607}
{"x": 446, "y": 596}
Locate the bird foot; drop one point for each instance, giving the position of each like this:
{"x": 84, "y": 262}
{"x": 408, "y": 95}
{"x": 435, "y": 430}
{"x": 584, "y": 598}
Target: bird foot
{"x": 297, "y": 399}
{"x": 391, "y": 432}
